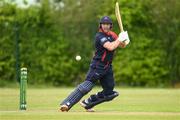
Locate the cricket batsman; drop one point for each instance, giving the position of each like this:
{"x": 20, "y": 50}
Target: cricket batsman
{"x": 106, "y": 42}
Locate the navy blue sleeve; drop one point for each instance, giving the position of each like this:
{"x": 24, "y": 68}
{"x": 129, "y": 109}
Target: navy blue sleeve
{"x": 101, "y": 39}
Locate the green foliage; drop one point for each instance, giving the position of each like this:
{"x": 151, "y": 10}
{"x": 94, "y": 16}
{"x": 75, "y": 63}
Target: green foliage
{"x": 52, "y": 34}
{"x": 139, "y": 66}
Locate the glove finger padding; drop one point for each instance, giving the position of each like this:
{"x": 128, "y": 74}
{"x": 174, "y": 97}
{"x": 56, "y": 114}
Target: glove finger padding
{"x": 127, "y": 38}
{"x": 123, "y": 37}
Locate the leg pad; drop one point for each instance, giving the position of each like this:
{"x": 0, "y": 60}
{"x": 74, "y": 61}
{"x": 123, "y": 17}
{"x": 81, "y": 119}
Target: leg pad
{"x": 99, "y": 100}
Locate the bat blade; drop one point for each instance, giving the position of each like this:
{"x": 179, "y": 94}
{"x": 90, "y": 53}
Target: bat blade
{"x": 118, "y": 16}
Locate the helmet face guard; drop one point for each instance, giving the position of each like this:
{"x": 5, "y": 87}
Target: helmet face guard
{"x": 107, "y": 20}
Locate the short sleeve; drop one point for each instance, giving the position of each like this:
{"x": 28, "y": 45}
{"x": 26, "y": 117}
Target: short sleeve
{"x": 103, "y": 40}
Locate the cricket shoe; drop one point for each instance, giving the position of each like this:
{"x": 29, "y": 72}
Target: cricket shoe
{"x": 84, "y": 104}
{"x": 64, "y": 108}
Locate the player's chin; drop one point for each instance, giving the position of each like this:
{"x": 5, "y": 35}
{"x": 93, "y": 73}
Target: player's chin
{"x": 106, "y": 30}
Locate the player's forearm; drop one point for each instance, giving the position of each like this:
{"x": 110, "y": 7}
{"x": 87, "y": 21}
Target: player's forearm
{"x": 113, "y": 45}
{"x": 120, "y": 41}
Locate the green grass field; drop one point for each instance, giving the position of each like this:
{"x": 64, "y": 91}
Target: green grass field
{"x": 132, "y": 104}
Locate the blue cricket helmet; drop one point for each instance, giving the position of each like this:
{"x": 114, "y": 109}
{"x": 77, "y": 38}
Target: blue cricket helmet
{"x": 105, "y": 19}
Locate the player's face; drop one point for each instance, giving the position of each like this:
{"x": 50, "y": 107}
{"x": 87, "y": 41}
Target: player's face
{"x": 106, "y": 27}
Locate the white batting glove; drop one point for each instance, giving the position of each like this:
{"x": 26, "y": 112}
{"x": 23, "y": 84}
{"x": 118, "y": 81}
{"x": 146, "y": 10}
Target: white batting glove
{"x": 123, "y": 37}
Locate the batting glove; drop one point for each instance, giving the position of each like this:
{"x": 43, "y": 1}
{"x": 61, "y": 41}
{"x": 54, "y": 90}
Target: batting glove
{"x": 123, "y": 37}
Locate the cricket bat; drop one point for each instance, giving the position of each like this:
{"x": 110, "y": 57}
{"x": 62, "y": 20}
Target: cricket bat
{"x": 118, "y": 16}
